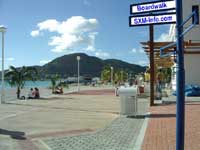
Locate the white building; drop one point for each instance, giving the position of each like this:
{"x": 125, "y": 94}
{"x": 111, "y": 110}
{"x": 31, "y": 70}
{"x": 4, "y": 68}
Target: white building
{"x": 192, "y": 58}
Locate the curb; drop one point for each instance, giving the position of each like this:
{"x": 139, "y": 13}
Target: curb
{"x": 140, "y": 138}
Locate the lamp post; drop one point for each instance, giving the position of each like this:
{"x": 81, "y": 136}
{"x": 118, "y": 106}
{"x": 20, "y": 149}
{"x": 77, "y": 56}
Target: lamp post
{"x": 2, "y": 30}
{"x": 111, "y": 76}
{"x": 121, "y": 76}
{"x": 78, "y": 59}
{"x": 127, "y": 76}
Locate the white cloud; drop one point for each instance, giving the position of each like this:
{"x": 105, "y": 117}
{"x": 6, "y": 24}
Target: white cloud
{"x": 8, "y": 59}
{"x": 50, "y": 25}
{"x": 76, "y": 31}
{"x": 163, "y": 38}
{"x": 133, "y": 50}
{"x": 102, "y": 54}
{"x": 35, "y": 33}
{"x": 90, "y": 48}
{"x": 44, "y": 61}
{"x": 143, "y": 63}
{"x": 64, "y": 42}
{"x": 141, "y": 51}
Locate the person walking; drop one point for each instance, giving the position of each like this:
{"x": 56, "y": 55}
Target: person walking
{"x": 159, "y": 80}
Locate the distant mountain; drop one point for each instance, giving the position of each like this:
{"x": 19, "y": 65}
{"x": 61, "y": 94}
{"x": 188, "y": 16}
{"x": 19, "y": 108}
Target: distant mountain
{"x": 131, "y": 68}
{"x": 89, "y": 66}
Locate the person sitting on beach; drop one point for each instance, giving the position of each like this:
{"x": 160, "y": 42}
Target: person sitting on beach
{"x": 59, "y": 90}
{"x": 31, "y": 94}
{"x": 36, "y": 93}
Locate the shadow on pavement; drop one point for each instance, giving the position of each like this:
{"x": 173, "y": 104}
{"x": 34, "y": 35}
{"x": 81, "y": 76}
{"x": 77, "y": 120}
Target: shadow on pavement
{"x": 162, "y": 115}
{"x": 61, "y": 108}
{"x": 137, "y": 117}
{"x": 192, "y": 104}
{"x": 13, "y": 134}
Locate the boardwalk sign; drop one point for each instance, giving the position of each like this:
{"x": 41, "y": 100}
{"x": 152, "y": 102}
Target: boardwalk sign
{"x": 147, "y": 13}
{"x": 152, "y": 6}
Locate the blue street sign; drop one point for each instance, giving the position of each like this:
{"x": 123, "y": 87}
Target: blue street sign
{"x": 152, "y": 6}
{"x": 142, "y": 20}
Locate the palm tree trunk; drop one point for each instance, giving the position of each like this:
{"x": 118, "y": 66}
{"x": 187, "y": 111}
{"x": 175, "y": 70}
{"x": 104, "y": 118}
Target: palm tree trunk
{"x": 18, "y": 92}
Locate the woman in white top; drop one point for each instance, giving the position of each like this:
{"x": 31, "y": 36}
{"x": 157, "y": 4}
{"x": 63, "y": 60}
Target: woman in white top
{"x": 31, "y": 94}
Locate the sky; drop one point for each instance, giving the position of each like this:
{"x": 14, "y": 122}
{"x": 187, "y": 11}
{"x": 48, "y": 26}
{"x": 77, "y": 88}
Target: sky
{"x": 39, "y": 31}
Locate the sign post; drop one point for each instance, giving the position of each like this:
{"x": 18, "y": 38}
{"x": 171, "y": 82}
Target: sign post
{"x": 152, "y": 70}
{"x": 143, "y": 15}
{"x": 158, "y": 18}
{"x": 180, "y": 107}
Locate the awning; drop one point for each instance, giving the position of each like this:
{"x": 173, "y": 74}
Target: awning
{"x": 189, "y": 48}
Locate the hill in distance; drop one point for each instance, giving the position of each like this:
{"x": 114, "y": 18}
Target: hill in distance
{"x": 89, "y": 66}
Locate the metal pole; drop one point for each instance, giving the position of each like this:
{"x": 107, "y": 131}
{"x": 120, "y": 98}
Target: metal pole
{"x": 78, "y": 75}
{"x": 111, "y": 75}
{"x": 122, "y": 76}
{"x": 180, "y": 80}
{"x": 152, "y": 72}
{"x": 2, "y": 71}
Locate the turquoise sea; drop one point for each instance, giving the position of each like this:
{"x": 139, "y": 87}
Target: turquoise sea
{"x": 32, "y": 84}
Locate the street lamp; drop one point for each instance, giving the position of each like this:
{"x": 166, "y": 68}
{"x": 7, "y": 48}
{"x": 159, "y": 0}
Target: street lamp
{"x": 111, "y": 76}
{"x": 78, "y": 59}
{"x": 122, "y": 76}
{"x": 2, "y": 30}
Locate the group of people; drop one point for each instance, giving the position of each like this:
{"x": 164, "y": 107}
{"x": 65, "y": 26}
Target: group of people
{"x": 58, "y": 90}
{"x": 34, "y": 93}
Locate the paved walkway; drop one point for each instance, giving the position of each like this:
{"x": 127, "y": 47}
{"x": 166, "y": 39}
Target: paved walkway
{"x": 121, "y": 134}
{"x": 161, "y": 131}
{"x": 21, "y": 122}
{"x": 65, "y": 120}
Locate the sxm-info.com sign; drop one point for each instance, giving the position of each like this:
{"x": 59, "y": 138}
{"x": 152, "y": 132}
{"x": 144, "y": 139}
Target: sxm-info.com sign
{"x": 152, "y": 6}
{"x": 152, "y": 19}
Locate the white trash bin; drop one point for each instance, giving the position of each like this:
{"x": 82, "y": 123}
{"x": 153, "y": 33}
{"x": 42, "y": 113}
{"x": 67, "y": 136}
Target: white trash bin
{"x": 128, "y": 100}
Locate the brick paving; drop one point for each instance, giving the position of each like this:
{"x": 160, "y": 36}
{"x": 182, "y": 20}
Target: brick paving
{"x": 120, "y": 135}
{"x": 60, "y": 133}
{"x": 28, "y": 144}
{"x": 161, "y": 130}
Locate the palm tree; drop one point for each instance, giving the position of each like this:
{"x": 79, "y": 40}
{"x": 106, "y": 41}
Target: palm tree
{"x": 53, "y": 80}
{"x": 167, "y": 74}
{"x": 120, "y": 76}
{"x": 106, "y": 74}
{"x": 18, "y": 76}
{"x": 117, "y": 76}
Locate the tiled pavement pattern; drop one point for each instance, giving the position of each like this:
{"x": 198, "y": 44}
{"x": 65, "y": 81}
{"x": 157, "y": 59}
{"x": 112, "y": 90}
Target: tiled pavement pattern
{"x": 120, "y": 135}
{"x": 161, "y": 131}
